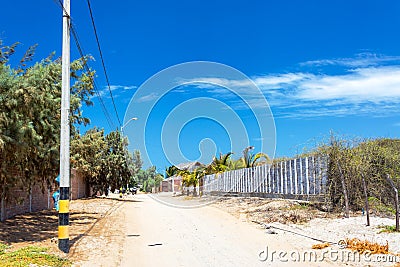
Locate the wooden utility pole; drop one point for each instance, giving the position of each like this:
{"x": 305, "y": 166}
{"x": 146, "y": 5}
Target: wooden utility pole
{"x": 63, "y": 215}
{"x": 346, "y": 197}
{"x": 396, "y": 200}
{"x": 366, "y": 198}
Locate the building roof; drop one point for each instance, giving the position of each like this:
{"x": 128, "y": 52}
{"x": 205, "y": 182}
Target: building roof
{"x": 190, "y": 166}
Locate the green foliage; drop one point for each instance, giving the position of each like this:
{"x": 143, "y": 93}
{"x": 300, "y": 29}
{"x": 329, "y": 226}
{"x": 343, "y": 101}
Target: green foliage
{"x": 220, "y": 164}
{"x": 3, "y": 248}
{"x": 30, "y": 101}
{"x": 30, "y": 256}
{"x": 136, "y": 164}
{"x": 378, "y": 206}
{"x": 251, "y": 160}
{"x": 387, "y": 229}
{"x": 171, "y": 171}
{"x": 354, "y": 159}
{"x": 103, "y": 160}
{"x": 118, "y": 160}
{"x": 149, "y": 178}
{"x": 192, "y": 178}
{"x": 299, "y": 206}
{"x": 6, "y": 52}
{"x": 88, "y": 154}
{"x": 236, "y": 164}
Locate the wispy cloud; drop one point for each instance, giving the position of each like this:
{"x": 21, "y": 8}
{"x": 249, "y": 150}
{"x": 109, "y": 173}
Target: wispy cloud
{"x": 116, "y": 90}
{"x": 148, "y": 97}
{"x": 372, "y": 90}
{"x": 360, "y": 60}
{"x": 122, "y": 87}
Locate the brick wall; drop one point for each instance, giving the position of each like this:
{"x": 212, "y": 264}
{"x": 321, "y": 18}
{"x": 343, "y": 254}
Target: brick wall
{"x": 37, "y": 199}
{"x": 41, "y": 199}
{"x": 24, "y": 201}
{"x": 79, "y": 188}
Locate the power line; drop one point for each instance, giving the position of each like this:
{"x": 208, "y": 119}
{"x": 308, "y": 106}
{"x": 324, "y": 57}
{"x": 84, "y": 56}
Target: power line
{"x": 81, "y": 53}
{"x": 266, "y": 226}
{"x": 102, "y": 61}
{"x": 106, "y": 113}
{"x": 80, "y": 50}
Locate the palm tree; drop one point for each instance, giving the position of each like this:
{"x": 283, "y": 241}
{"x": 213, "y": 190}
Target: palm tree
{"x": 250, "y": 160}
{"x": 220, "y": 164}
{"x": 171, "y": 171}
{"x": 187, "y": 179}
{"x": 236, "y": 164}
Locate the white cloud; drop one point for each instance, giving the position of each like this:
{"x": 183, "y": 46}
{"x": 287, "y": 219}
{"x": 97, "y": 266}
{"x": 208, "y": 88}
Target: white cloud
{"x": 147, "y": 98}
{"x": 373, "y": 90}
{"x": 209, "y": 83}
{"x": 368, "y": 84}
{"x": 115, "y": 89}
{"x": 121, "y": 87}
{"x": 360, "y": 60}
{"x": 276, "y": 81}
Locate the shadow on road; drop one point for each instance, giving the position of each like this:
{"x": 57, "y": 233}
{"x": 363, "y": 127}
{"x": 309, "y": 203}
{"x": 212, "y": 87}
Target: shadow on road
{"x": 125, "y": 199}
{"x": 40, "y": 226}
{"x": 35, "y": 226}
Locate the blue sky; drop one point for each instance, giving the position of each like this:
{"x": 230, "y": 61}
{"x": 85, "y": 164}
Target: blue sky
{"x": 321, "y": 65}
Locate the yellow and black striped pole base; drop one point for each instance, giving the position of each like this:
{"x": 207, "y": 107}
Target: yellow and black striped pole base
{"x": 63, "y": 220}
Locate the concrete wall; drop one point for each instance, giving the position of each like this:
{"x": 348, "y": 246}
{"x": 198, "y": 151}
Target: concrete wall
{"x": 306, "y": 176}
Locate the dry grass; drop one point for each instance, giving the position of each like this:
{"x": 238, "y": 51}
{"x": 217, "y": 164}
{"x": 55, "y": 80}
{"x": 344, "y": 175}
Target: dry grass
{"x": 320, "y": 246}
{"x": 363, "y": 246}
{"x": 269, "y": 211}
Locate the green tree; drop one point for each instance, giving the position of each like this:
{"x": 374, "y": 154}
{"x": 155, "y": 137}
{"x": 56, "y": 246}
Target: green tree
{"x": 89, "y": 157}
{"x": 149, "y": 179}
{"x": 30, "y": 100}
{"x": 135, "y": 166}
{"x": 103, "y": 160}
{"x": 192, "y": 178}
{"x": 117, "y": 161}
{"x": 353, "y": 162}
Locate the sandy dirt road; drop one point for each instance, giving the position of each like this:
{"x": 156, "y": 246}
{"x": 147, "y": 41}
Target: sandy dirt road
{"x": 162, "y": 235}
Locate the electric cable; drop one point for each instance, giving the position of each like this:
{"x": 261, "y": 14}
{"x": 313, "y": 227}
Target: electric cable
{"x": 267, "y": 226}
{"x": 102, "y": 60}
{"x": 87, "y": 68}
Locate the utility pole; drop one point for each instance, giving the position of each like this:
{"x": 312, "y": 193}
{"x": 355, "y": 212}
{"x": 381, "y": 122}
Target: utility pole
{"x": 63, "y": 215}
